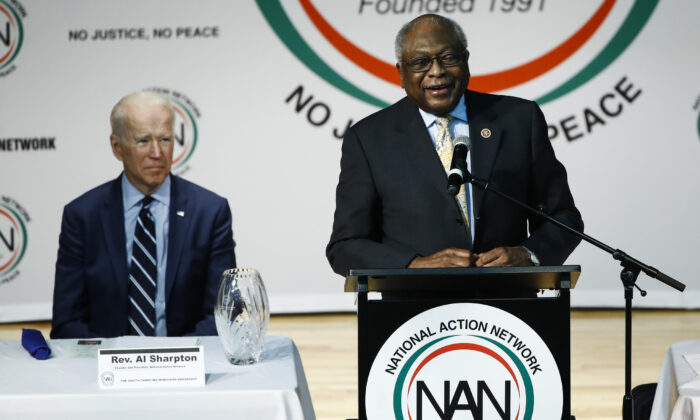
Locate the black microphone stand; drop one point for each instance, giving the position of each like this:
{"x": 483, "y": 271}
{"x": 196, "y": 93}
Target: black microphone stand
{"x": 630, "y": 271}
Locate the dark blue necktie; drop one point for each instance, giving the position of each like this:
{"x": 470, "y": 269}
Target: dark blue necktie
{"x": 143, "y": 273}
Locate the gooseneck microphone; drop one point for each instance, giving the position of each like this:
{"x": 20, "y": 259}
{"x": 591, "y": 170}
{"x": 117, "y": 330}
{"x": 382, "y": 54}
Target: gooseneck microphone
{"x": 458, "y": 168}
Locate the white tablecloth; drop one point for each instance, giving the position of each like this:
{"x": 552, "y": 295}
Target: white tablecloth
{"x": 65, "y": 386}
{"x": 678, "y": 393}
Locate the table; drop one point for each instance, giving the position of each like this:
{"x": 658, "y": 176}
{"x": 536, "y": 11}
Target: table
{"x": 65, "y": 386}
{"x": 678, "y": 392}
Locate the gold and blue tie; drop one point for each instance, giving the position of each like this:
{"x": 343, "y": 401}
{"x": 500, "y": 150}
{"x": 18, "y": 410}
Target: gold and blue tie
{"x": 445, "y": 148}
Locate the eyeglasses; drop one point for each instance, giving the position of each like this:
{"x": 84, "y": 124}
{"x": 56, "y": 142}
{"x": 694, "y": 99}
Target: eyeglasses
{"x": 448, "y": 59}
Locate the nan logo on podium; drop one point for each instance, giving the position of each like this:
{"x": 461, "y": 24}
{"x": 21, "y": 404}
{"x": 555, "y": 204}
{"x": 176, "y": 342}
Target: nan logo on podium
{"x": 464, "y": 360}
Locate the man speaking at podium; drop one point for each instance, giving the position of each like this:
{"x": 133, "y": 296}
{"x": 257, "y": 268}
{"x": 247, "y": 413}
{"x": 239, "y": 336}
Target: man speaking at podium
{"x": 392, "y": 205}
{"x": 142, "y": 254}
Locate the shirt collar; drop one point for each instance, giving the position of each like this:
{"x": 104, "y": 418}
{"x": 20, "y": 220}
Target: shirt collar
{"x": 459, "y": 113}
{"x": 132, "y": 197}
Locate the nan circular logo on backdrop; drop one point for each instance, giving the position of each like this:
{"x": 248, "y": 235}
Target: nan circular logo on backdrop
{"x": 13, "y": 238}
{"x": 464, "y": 357}
{"x": 514, "y": 75}
{"x": 186, "y": 131}
{"x": 11, "y": 33}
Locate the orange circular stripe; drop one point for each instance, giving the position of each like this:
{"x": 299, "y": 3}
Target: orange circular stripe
{"x": 512, "y": 77}
{"x": 485, "y": 83}
{"x": 368, "y": 62}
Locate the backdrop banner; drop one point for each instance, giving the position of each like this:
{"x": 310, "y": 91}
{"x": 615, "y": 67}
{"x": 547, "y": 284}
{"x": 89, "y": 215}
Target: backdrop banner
{"x": 264, "y": 91}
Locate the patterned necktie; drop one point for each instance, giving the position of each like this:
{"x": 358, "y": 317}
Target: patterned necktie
{"x": 143, "y": 273}
{"x": 444, "y": 147}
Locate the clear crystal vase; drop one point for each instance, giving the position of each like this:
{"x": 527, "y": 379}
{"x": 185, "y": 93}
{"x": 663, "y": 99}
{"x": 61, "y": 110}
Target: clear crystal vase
{"x": 242, "y": 314}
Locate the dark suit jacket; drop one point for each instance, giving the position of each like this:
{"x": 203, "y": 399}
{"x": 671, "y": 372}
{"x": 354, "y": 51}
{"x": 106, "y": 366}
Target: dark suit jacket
{"x": 91, "y": 285}
{"x": 392, "y": 202}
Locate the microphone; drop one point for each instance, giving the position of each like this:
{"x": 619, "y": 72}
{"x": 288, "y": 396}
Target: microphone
{"x": 458, "y": 168}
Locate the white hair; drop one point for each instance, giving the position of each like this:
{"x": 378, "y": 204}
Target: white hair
{"x": 146, "y": 97}
{"x": 440, "y": 20}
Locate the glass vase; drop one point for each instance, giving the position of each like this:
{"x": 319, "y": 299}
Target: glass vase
{"x": 241, "y": 315}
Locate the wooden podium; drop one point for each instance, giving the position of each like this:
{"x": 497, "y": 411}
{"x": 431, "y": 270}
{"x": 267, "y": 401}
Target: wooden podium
{"x": 388, "y": 298}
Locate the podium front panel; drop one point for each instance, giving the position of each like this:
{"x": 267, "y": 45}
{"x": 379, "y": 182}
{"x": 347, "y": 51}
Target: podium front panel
{"x": 548, "y": 317}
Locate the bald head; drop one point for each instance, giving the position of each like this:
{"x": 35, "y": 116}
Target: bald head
{"x": 448, "y": 23}
{"x": 119, "y": 118}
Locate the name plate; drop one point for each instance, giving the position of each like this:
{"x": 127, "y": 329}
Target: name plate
{"x": 150, "y": 367}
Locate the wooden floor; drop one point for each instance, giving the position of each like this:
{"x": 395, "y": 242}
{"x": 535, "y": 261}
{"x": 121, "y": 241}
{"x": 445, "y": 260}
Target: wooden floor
{"x": 328, "y": 347}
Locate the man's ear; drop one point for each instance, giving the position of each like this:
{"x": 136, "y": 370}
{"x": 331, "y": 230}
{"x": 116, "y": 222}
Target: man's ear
{"x": 116, "y": 146}
{"x": 398, "y": 68}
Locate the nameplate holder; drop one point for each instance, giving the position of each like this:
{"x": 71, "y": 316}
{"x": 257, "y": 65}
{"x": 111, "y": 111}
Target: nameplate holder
{"x": 164, "y": 367}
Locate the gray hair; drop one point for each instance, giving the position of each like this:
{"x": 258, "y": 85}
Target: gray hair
{"x": 440, "y": 20}
{"x": 147, "y": 97}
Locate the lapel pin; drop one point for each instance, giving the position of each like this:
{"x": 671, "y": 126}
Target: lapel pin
{"x": 181, "y": 213}
{"x": 485, "y": 133}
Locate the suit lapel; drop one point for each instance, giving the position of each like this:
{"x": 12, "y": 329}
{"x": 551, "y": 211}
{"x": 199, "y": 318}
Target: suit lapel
{"x": 415, "y": 140}
{"x": 178, "y": 222}
{"x": 485, "y": 134}
{"x": 112, "y": 218}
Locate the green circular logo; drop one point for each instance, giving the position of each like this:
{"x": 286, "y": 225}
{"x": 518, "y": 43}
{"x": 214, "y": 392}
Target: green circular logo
{"x": 185, "y": 126}
{"x": 13, "y": 239}
{"x": 510, "y": 77}
{"x": 11, "y": 34}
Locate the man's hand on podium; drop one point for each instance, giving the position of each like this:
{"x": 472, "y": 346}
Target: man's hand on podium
{"x": 504, "y": 256}
{"x": 449, "y": 257}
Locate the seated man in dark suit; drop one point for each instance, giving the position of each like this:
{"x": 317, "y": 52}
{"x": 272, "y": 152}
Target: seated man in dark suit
{"x": 392, "y": 205}
{"x": 142, "y": 254}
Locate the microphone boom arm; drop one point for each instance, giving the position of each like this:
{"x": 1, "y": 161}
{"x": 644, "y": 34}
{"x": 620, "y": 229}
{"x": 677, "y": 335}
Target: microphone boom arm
{"x": 625, "y": 260}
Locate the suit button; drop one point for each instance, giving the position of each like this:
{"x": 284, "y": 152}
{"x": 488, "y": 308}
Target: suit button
{"x": 460, "y": 221}
{"x": 478, "y": 218}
